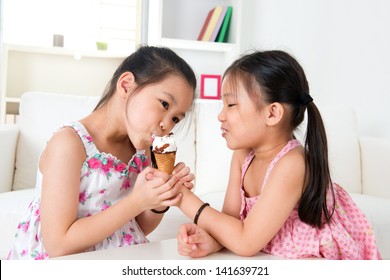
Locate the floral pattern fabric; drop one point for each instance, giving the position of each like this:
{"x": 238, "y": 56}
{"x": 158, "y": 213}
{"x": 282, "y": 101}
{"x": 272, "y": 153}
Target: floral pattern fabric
{"x": 104, "y": 180}
{"x": 348, "y": 236}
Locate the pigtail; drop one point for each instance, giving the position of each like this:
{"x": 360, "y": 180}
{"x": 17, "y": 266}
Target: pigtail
{"x": 314, "y": 199}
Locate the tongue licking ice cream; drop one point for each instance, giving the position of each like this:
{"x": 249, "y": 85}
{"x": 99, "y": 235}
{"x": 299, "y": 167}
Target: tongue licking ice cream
{"x": 164, "y": 149}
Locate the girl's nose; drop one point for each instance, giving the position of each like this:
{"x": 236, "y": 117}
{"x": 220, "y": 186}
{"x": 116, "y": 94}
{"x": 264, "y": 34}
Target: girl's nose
{"x": 162, "y": 126}
{"x": 221, "y": 115}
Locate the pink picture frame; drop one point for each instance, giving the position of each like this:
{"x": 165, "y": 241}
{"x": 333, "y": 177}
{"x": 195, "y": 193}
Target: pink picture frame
{"x": 210, "y": 86}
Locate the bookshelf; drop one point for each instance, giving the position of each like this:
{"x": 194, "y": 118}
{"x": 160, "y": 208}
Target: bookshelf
{"x": 50, "y": 69}
{"x": 176, "y": 24}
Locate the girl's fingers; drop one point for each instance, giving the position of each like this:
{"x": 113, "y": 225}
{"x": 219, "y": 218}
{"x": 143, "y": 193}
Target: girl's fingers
{"x": 182, "y": 172}
{"x": 170, "y": 186}
{"x": 154, "y": 173}
{"x": 187, "y": 178}
{"x": 171, "y": 197}
{"x": 184, "y": 248}
{"x": 178, "y": 167}
{"x": 189, "y": 186}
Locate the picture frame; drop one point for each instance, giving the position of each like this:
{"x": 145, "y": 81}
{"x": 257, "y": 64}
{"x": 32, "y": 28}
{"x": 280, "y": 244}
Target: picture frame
{"x": 210, "y": 86}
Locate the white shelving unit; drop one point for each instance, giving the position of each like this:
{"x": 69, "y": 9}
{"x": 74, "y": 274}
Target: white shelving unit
{"x": 50, "y": 69}
{"x": 176, "y": 24}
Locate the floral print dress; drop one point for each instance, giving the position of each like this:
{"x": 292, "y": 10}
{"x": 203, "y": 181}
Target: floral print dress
{"x": 104, "y": 180}
{"x": 348, "y": 236}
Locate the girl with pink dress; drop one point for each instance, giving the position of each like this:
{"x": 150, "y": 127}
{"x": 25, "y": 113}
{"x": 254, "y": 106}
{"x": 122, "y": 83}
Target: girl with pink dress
{"x": 95, "y": 188}
{"x": 280, "y": 198}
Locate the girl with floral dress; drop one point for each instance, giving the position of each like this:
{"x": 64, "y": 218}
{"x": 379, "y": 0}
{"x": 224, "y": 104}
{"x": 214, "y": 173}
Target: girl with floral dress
{"x": 280, "y": 197}
{"x": 95, "y": 188}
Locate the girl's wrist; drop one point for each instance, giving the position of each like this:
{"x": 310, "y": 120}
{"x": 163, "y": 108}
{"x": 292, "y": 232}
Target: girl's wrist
{"x": 190, "y": 203}
{"x": 134, "y": 203}
{"x": 200, "y": 209}
{"x": 185, "y": 198}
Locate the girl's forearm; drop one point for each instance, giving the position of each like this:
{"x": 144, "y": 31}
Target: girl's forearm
{"x": 189, "y": 203}
{"x": 89, "y": 231}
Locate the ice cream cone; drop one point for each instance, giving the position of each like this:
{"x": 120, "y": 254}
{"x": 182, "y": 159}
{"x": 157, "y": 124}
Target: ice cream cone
{"x": 164, "y": 150}
{"x": 165, "y": 161}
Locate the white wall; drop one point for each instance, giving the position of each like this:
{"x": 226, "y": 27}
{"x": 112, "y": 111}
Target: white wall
{"x": 343, "y": 45}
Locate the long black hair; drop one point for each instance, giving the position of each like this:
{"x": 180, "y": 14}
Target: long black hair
{"x": 281, "y": 78}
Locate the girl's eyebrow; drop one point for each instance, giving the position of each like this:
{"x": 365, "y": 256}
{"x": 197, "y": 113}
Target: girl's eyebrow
{"x": 170, "y": 96}
{"x": 227, "y": 94}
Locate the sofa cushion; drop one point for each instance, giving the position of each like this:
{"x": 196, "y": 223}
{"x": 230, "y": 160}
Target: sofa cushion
{"x": 13, "y": 206}
{"x": 377, "y": 212}
{"x": 40, "y": 115}
{"x": 375, "y": 153}
{"x": 212, "y": 155}
{"x": 185, "y": 140}
{"x": 8, "y": 139}
{"x": 343, "y": 146}
{"x": 344, "y": 150}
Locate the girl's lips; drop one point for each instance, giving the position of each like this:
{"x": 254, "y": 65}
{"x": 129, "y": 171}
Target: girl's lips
{"x": 224, "y": 131}
{"x": 152, "y": 138}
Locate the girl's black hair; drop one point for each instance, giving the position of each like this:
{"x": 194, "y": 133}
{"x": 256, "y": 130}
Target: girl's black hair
{"x": 280, "y": 78}
{"x": 150, "y": 65}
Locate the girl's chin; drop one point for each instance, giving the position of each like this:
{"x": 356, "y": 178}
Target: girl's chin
{"x": 233, "y": 146}
{"x": 139, "y": 146}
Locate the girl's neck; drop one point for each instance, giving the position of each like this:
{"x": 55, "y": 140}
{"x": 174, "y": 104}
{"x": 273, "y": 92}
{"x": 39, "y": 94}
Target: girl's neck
{"x": 107, "y": 137}
{"x": 101, "y": 123}
{"x": 268, "y": 152}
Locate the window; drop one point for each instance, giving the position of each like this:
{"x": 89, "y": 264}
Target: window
{"x": 81, "y": 22}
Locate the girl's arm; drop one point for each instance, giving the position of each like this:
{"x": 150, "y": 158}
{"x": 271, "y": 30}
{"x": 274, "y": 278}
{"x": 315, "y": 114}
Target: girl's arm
{"x": 148, "y": 220}
{"x": 281, "y": 194}
{"x": 62, "y": 232}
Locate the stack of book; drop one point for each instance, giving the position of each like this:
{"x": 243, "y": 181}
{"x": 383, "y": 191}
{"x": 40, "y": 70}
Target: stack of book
{"x": 216, "y": 25}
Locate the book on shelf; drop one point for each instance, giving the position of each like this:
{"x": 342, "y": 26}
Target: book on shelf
{"x": 205, "y": 24}
{"x": 218, "y": 25}
{"x": 212, "y": 23}
{"x": 223, "y": 32}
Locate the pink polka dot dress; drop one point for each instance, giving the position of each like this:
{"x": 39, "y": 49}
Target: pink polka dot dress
{"x": 349, "y": 235}
{"x": 104, "y": 180}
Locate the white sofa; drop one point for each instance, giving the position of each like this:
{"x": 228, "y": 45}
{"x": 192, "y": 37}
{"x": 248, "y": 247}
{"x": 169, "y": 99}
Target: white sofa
{"x": 359, "y": 164}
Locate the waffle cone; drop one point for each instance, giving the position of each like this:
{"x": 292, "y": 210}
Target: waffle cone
{"x": 165, "y": 162}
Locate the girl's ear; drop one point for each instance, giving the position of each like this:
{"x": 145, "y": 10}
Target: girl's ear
{"x": 274, "y": 113}
{"x": 125, "y": 84}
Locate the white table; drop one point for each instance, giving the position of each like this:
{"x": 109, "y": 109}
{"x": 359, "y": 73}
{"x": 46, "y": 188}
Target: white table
{"x": 158, "y": 250}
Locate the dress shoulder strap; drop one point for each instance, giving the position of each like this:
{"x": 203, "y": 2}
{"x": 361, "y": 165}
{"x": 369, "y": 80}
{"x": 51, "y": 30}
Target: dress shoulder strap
{"x": 246, "y": 164}
{"x": 89, "y": 145}
{"x": 289, "y": 146}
